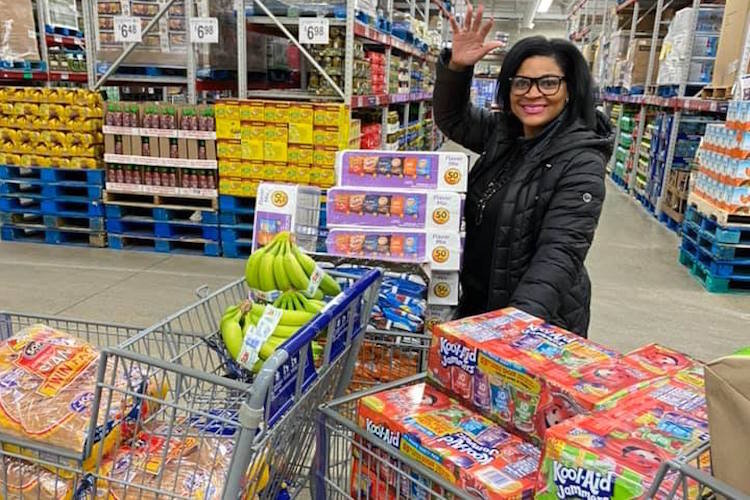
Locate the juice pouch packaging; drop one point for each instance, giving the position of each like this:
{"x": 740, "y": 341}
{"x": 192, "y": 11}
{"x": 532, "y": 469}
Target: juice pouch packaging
{"x": 659, "y": 360}
{"x": 463, "y": 447}
{"x": 616, "y": 453}
{"x": 526, "y": 375}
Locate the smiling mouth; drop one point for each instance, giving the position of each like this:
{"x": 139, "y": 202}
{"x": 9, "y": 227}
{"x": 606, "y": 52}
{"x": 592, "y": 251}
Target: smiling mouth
{"x": 533, "y": 109}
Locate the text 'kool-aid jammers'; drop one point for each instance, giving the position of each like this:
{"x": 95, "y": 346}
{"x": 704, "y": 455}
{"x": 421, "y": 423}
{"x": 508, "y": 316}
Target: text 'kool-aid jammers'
{"x": 529, "y": 376}
{"x": 466, "y": 449}
{"x": 389, "y": 169}
{"x": 615, "y": 454}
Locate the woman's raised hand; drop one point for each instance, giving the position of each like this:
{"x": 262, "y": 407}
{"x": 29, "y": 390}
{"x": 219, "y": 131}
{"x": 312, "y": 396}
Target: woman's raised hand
{"x": 469, "y": 40}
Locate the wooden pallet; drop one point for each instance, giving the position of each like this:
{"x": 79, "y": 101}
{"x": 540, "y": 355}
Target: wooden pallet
{"x": 152, "y": 201}
{"x": 717, "y": 93}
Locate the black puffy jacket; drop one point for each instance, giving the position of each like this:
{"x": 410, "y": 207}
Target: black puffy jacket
{"x": 551, "y": 205}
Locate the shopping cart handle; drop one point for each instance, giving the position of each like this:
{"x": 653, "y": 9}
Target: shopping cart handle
{"x": 332, "y": 310}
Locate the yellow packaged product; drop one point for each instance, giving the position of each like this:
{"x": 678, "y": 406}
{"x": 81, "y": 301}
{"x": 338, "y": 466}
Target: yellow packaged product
{"x": 252, "y": 111}
{"x": 275, "y": 151}
{"x": 27, "y": 481}
{"x": 12, "y": 159}
{"x": 276, "y": 112}
{"x": 229, "y": 149}
{"x": 324, "y": 156}
{"x": 228, "y": 168}
{"x": 47, "y": 390}
{"x": 301, "y": 173}
{"x": 331, "y": 115}
{"x": 300, "y": 133}
{"x": 329, "y": 136}
{"x": 225, "y": 185}
{"x": 301, "y": 113}
{"x": 253, "y": 135}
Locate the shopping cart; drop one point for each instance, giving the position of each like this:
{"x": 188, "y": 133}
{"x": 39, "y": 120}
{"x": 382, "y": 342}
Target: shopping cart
{"x": 197, "y": 431}
{"x": 351, "y": 463}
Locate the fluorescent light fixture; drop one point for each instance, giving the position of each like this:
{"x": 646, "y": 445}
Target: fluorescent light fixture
{"x": 544, "y": 6}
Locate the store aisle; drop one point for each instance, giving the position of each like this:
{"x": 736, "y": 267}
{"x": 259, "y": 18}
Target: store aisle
{"x": 641, "y": 294}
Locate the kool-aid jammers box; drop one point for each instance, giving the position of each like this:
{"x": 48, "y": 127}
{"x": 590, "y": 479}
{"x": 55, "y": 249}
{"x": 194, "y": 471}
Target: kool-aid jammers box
{"x": 391, "y": 169}
{"x": 524, "y": 374}
{"x": 660, "y": 360}
{"x": 464, "y": 448}
{"x": 617, "y": 452}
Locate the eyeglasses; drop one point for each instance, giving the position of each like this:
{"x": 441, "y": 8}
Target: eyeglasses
{"x": 547, "y": 85}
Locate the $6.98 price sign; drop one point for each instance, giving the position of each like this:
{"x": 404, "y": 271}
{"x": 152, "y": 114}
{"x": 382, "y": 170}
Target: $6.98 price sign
{"x": 313, "y": 30}
{"x": 204, "y": 30}
{"x": 127, "y": 29}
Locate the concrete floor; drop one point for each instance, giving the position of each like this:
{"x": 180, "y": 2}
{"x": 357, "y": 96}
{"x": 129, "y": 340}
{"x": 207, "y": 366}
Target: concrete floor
{"x": 641, "y": 293}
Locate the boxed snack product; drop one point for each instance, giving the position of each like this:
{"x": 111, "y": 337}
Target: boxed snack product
{"x": 617, "y": 452}
{"x": 286, "y": 207}
{"x": 463, "y": 447}
{"x": 525, "y": 374}
{"x": 659, "y": 360}
{"x": 387, "y": 208}
{"x": 389, "y": 169}
{"x": 47, "y": 389}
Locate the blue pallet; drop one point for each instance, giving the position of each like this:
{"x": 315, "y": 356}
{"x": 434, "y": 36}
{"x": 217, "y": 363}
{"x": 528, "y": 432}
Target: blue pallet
{"x": 237, "y": 249}
{"x": 63, "y": 191}
{"x": 671, "y": 224}
{"x": 619, "y": 181}
{"x": 62, "y": 30}
{"x": 52, "y": 236}
{"x": 53, "y": 175}
{"x": 207, "y": 217}
{"x": 23, "y": 65}
{"x": 58, "y": 207}
{"x": 645, "y": 202}
{"x": 163, "y": 245}
{"x": 722, "y": 234}
{"x": 20, "y": 206}
{"x": 162, "y": 229}
{"x": 719, "y": 251}
{"x": 96, "y": 224}
{"x": 16, "y": 189}
{"x": 718, "y": 268}
{"x": 236, "y": 205}
{"x": 636, "y": 90}
{"x": 234, "y": 219}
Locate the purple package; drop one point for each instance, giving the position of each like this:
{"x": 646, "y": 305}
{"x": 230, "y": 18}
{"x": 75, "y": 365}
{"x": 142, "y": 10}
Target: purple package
{"x": 380, "y": 208}
{"x": 402, "y": 246}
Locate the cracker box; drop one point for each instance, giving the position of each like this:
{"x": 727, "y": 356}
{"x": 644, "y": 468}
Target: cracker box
{"x": 617, "y": 452}
{"x": 461, "y": 446}
{"x": 434, "y": 210}
{"x": 524, "y": 374}
{"x": 390, "y": 169}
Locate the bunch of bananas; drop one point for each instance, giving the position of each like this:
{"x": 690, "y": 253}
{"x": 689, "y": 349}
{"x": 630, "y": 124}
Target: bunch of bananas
{"x": 282, "y": 266}
{"x": 296, "y": 311}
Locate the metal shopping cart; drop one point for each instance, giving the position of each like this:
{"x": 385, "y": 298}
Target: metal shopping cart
{"x": 351, "y": 463}
{"x": 197, "y": 430}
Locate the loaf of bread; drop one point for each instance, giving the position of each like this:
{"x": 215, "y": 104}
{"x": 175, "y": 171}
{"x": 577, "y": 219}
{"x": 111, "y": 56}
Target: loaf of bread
{"x": 26, "y": 481}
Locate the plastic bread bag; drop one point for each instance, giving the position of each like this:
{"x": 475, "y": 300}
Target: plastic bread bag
{"x": 22, "y": 480}
{"x": 47, "y": 385}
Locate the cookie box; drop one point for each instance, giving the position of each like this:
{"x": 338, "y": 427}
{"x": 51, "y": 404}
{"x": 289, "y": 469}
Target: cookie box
{"x": 463, "y": 447}
{"x": 399, "y": 170}
{"x": 387, "y": 208}
{"x": 616, "y": 453}
{"x": 441, "y": 250}
{"x": 286, "y": 207}
{"x": 525, "y": 374}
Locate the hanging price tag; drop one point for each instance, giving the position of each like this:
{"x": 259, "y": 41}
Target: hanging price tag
{"x": 204, "y": 30}
{"x": 313, "y": 30}
{"x": 127, "y": 29}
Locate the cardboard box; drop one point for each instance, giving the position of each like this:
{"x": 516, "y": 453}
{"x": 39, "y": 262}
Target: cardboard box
{"x": 617, "y": 452}
{"x": 324, "y": 156}
{"x": 443, "y": 288}
{"x": 133, "y": 144}
{"x": 636, "y": 67}
{"x": 734, "y": 31}
{"x": 230, "y": 168}
{"x": 427, "y": 426}
{"x": 252, "y": 111}
{"x": 331, "y": 115}
{"x": 18, "y": 34}
{"x": 300, "y": 133}
{"x": 301, "y": 113}
{"x": 524, "y": 374}
{"x": 301, "y": 154}
{"x": 277, "y": 112}
{"x": 728, "y": 395}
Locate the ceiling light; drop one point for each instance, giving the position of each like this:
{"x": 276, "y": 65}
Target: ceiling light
{"x": 544, "y": 6}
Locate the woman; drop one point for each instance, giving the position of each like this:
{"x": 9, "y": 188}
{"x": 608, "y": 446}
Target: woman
{"x": 536, "y": 192}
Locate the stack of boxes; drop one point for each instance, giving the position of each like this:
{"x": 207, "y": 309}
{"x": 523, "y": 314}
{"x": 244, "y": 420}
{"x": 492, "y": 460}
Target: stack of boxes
{"x": 377, "y": 71}
{"x": 278, "y": 141}
{"x": 404, "y": 207}
{"x": 504, "y": 383}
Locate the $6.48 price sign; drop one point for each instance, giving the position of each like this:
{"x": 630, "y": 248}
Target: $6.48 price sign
{"x": 313, "y": 30}
{"x": 127, "y": 29}
{"x": 204, "y": 30}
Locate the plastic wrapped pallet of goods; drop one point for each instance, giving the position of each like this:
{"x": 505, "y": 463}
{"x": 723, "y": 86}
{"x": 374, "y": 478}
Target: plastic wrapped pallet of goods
{"x": 18, "y": 32}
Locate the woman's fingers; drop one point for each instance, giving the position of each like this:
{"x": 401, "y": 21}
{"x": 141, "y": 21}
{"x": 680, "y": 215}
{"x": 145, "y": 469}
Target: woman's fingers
{"x": 469, "y": 12}
{"x": 476, "y": 25}
{"x": 448, "y": 15}
{"x": 490, "y": 46}
{"x": 486, "y": 27}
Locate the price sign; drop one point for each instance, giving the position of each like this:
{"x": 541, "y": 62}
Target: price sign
{"x": 204, "y": 30}
{"x": 127, "y": 29}
{"x": 313, "y": 30}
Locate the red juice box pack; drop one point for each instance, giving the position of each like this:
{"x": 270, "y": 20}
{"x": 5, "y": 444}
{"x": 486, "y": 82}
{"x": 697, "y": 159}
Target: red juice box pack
{"x": 524, "y": 374}
{"x": 400, "y": 170}
{"x": 660, "y": 360}
{"x": 617, "y": 452}
{"x": 432, "y": 210}
{"x": 461, "y": 446}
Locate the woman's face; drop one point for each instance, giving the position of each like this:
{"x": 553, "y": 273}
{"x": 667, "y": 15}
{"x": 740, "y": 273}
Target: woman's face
{"x": 535, "y": 109}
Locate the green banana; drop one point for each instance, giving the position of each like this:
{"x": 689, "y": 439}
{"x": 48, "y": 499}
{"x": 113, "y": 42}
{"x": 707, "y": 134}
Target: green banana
{"x": 231, "y": 331}
{"x": 269, "y": 346}
{"x": 251, "y": 268}
{"x": 266, "y": 281}
{"x": 279, "y": 272}
{"x": 308, "y": 305}
{"x": 288, "y": 317}
{"x": 318, "y": 305}
{"x": 328, "y": 285}
{"x": 294, "y": 271}
{"x": 318, "y": 295}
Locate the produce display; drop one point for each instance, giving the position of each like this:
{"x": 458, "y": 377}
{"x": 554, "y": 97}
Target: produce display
{"x": 50, "y": 127}
{"x": 293, "y": 287}
{"x": 472, "y": 452}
